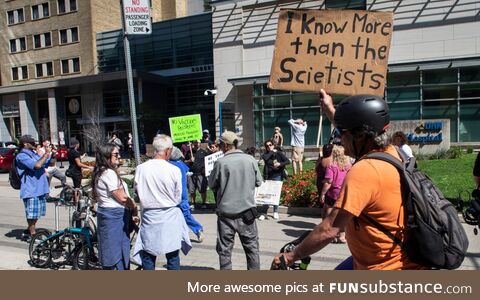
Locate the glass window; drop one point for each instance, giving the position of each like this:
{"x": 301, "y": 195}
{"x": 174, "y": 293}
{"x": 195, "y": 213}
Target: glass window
{"x": 39, "y": 70}
{"x": 442, "y": 110}
{"x": 470, "y": 78}
{"x": 46, "y": 11}
{"x": 65, "y": 69}
{"x": 76, "y": 64}
{"x": 403, "y": 78}
{"x": 24, "y": 72}
{"x": 469, "y": 116}
{"x": 402, "y": 94}
{"x": 13, "y": 46}
{"x": 50, "y": 68}
{"x": 276, "y": 101}
{"x": 75, "y": 34}
{"x": 73, "y": 5}
{"x": 439, "y": 76}
{"x": 14, "y": 73}
{"x": 305, "y": 99}
{"x": 404, "y": 111}
{"x": 37, "y": 41}
{"x": 21, "y": 18}
{"x": 350, "y": 4}
{"x": 11, "y": 17}
{"x": 35, "y": 14}
{"x": 61, "y": 7}
{"x": 276, "y": 118}
{"x": 63, "y": 36}
{"x": 23, "y": 44}
{"x": 440, "y": 92}
{"x": 48, "y": 39}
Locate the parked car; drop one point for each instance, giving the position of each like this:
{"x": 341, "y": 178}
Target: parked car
{"x": 6, "y": 158}
{"x": 62, "y": 153}
{"x": 8, "y": 145}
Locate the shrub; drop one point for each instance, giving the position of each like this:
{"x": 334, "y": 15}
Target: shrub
{"x": 300, "y": 190}
{"x": 469, "y": 149}
{"x": 454, "y": 152}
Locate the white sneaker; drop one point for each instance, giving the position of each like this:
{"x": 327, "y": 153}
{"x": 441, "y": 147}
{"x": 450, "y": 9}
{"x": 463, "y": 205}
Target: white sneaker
{"x": 200, "y": 236}
{"x": 275, "y": 216}
{"x": 261, "y": 218}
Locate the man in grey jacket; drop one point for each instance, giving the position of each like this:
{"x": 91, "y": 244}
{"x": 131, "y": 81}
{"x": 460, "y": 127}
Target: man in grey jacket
{"x": 233, "y": 179}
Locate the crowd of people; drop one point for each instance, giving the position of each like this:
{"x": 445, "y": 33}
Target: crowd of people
{"x": 167, "y": 184}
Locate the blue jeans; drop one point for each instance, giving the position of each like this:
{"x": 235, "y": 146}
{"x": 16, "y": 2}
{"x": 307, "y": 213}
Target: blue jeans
{"x": 148, "y": 260}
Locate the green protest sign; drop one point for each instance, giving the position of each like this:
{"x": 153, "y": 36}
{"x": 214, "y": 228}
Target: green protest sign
{"x": 185, "y": 128}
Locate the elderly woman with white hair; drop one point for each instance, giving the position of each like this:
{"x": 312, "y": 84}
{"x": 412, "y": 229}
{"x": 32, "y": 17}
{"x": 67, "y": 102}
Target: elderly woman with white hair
{"x": 163, "y": 230}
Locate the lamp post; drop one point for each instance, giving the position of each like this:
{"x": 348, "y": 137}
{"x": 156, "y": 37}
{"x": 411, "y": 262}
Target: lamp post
{"x": 213, "y": 92}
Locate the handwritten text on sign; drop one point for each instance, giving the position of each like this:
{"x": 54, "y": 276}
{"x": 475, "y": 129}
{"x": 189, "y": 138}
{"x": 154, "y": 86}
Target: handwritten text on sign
{"x": 185, "y": 128}
{"x": 343, "y": 52}
{"x": 210, "y": 162}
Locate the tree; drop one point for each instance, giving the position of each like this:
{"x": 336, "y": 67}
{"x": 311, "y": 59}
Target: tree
{"x": 92, "y": 130}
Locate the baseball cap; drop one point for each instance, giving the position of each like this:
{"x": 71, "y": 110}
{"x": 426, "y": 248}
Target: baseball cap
{"x": 27, "y": 139}
{"x": 206, "y": 131}
{"x": 228, "y": 137}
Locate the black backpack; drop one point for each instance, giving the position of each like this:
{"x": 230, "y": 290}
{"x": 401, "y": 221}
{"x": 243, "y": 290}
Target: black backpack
{"x": 434, "y": 235}
{"x": 13, "y": 177}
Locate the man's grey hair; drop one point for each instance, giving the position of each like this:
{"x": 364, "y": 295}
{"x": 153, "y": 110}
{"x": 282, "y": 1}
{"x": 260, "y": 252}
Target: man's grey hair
{"x": 161, "y": 143}
{"x": 381, "y": 141}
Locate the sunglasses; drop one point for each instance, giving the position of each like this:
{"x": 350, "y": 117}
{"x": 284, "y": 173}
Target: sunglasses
{"x": 116, "y": 154}
{"x": 269, "y": 145}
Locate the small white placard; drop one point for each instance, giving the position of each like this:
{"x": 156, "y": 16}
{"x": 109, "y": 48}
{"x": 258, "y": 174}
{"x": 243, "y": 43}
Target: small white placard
{"x": 269, "y": 192}
{"x": 210, "y": 161}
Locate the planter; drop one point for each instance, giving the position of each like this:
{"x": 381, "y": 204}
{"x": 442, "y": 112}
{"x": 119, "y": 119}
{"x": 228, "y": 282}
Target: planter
{"x": 301, "y": 211}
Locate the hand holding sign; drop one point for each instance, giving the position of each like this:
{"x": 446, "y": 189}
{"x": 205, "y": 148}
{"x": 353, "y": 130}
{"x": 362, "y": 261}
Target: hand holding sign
{"x": 345, "y": 52}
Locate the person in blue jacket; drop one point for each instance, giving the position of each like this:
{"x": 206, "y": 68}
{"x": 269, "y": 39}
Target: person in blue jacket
{"x": 176, "y": 160}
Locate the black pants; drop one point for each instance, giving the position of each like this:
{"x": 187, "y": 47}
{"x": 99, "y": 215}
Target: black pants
{"x": 77, "y": 180}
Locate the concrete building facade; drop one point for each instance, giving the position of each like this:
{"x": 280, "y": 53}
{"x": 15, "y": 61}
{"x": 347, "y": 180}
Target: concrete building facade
{"x": 434, "y": 66}
{"x": 49, "y": 74}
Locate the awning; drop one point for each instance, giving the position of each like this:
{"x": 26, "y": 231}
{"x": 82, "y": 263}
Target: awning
{"x": 238, "y": 81}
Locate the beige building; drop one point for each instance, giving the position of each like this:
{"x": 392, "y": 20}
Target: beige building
{"x": 48, "y": 61}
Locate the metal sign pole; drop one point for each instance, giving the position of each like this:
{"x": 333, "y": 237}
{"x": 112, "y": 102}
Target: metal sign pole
{"x": 131, "y": 92}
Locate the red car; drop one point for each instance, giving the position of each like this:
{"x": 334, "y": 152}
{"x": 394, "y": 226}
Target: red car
{"x": 6, "y": 158}
{"x": 62, "y": 153}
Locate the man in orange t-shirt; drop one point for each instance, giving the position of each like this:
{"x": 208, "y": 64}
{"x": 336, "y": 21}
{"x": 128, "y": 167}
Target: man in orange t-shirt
{"x": 371, "y": 187}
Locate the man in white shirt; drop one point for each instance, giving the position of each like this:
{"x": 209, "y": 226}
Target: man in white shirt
{"x": 299, "y": 127}
{"x": 163, "y": 230}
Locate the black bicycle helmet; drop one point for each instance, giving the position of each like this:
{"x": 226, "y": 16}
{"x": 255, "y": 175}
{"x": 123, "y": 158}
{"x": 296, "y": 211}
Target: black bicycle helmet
{"x": 362, "y": 111}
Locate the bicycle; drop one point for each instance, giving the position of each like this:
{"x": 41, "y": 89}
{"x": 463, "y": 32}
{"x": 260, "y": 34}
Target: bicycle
{"x": 471, "y": 215}
{"x": 76, "y": 245}
{"x": 289, "y": 247}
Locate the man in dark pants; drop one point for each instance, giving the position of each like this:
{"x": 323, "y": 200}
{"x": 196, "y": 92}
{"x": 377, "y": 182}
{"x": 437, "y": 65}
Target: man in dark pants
{"x": 234, "y": 178}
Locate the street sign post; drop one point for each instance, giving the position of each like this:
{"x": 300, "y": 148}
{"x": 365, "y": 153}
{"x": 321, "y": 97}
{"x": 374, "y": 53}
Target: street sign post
{"x": 137, "y": 17}
{"x": 136, "y": 20}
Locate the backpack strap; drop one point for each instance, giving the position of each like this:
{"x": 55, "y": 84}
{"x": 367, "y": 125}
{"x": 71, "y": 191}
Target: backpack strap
{"x": 401, "y": 167}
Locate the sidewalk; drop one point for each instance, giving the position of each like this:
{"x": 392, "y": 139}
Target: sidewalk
{"x": 273, "y": 235}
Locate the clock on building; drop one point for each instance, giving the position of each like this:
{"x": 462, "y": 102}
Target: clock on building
{"x": 73, "y": 105}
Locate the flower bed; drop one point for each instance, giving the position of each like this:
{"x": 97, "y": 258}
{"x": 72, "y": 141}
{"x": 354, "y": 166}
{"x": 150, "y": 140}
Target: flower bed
{"x": 300, "y": 190}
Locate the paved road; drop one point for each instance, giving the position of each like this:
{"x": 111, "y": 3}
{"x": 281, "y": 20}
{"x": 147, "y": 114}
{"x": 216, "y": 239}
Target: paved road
{"x": 273, "y": 235}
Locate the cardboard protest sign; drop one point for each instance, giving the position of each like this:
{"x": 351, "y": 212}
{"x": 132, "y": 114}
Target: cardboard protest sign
{"x": 210, "y": 161}
{"x": 185, "y": 128}
{"x": 341, "y": 51}
{"x": 269, "y": 192}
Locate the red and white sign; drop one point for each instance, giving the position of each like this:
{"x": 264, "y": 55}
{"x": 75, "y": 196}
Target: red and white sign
{"x": 136, "y": 14}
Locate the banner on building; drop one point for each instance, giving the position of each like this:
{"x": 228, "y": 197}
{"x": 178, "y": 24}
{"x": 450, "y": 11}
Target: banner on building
{"x": 269, "y": 192}
{"x": 185, "y": 128}
{"x": 341, "y": 51}
{"x": 210, "y": 161}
